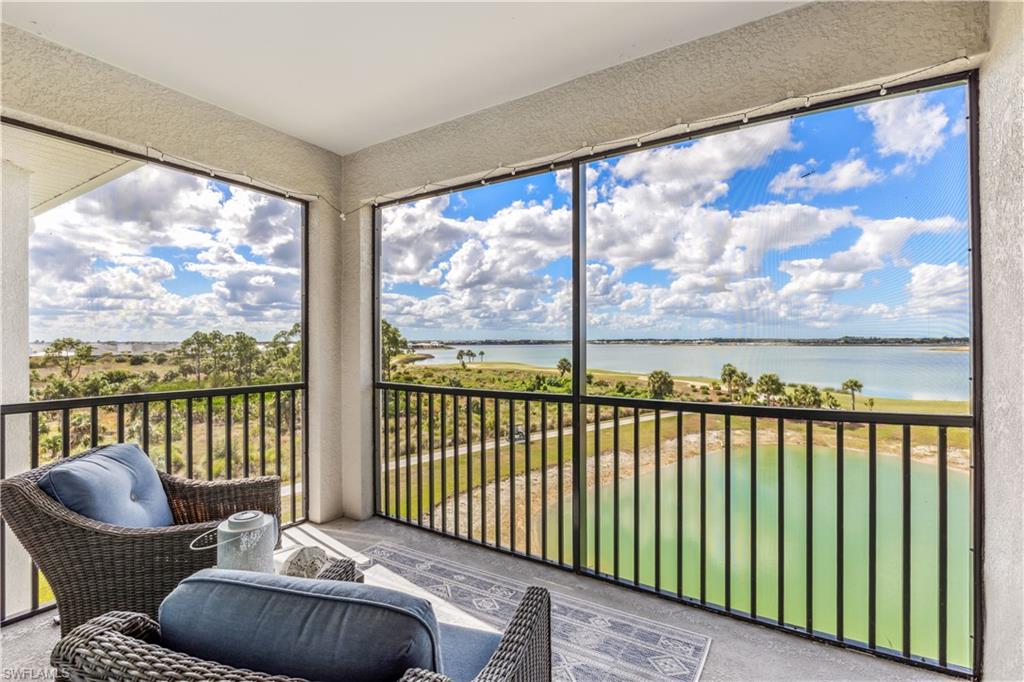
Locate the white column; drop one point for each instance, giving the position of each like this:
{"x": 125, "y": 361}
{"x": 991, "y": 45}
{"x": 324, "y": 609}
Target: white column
{"x": 14, "y": 350}
{"x": 1001, "y": 149}
{"x": 356, "y": 295}
{"x": 327, "y": 389}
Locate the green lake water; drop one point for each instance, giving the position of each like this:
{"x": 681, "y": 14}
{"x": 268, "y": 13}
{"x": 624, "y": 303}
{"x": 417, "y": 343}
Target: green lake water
{"x": 924, "y": 542}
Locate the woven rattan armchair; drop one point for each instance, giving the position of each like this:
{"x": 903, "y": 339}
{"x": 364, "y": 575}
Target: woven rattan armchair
{"x": 96, "y": 567}
{"x": 123, "y": 647}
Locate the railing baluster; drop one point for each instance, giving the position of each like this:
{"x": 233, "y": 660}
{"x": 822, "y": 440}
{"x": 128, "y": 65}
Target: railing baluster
{"x": 483, "y": 469}
{"x": 120, "y": 423}
{"x": 292, "y": 453}
{"x": 781, "y": 524}
{"x": 209, "y": 438}
{"x": 455, "y": 460}
{"x": 430, "y": 446}
{"x": 840, "y": 541}
{"x": 943, "y": 545}
{"x": 872, "y": 533}
{"x": 189, "y": 407}
{"x": 145, "y": 426}
{"x": 397, "y": 461}
{"x": 33, "y": 439}
{"x": 615, "y": 492}
{"x": 636, "y": 496}
{"x": 408, "y": 459}
{"x": 469, "y": 466}
{"x": 419, "y": 458}
{"x": 597, "y": 489}
{"x": 277, "y": 433}
{"x": 529, "y": 476}
{"x": 168, "y": 463}
{"x": 703, "y": 506}
{"x": 680, "y": 537}
{"x": 245, "y": 435}
{"x": 544, "y": 479}
{"x": 94, "y": 426}
{"x": 561, "y": 487}
{"x": 65, "y": 432}
{"x": 511, "y": 475}
{"x": 906, "y": 513}
{"x": 385, "y": 452}
{"x": 227, "y": 436}
{"x": 809, "y": 531}
{"x": 727, "y": 482}
{"x": 444, "y": 463}
{"x": 657, "y": 500}
{"x": 497, "y": 473}
{"x": 753, "y": 517}
{"x": 263, "y": 433}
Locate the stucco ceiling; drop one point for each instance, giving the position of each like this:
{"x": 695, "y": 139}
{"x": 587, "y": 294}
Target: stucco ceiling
{"x": 347, "y": 75}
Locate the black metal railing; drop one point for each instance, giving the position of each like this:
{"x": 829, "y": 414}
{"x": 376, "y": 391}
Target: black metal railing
{"x": 208, "y": 434}
{"x": 850, "y": 527}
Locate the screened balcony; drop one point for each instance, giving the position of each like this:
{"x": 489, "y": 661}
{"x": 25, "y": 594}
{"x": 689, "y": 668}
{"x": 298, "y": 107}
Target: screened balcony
{"x": 717, "y": 339}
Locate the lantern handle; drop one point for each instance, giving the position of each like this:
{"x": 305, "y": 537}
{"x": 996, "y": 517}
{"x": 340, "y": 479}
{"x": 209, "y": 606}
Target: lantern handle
{"x": 192, "y": 545}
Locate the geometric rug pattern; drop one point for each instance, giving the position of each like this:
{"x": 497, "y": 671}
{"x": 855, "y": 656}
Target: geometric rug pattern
{"x": 589, "y": 643}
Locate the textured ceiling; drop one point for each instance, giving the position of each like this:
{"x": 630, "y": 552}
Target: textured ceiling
{"x": 347, "y": 75}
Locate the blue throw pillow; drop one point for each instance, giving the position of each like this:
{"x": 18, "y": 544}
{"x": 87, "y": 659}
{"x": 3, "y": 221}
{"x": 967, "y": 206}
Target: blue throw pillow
{"x": 115, "y": 484}
{"x": 325, "y": 630}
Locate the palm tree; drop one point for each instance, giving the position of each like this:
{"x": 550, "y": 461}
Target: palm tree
{"x": 729, "y": 374}
{"x": 481, "y": 355}
{"x": 563, "y": 367}
{"x": 471, "y": 355}
{"x": 770, "y": 388}
{"x": 461, "y": 357}
{"x": 743, "y": 383}
{"x": 853, "y": 387}
{"x": 660, "y": 384}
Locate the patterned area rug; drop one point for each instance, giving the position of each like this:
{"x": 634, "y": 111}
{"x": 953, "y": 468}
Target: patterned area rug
{"x": 589, "y": 643}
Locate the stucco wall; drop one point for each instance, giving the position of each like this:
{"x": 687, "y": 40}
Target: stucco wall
{"x": 48, "y": 84}
{"x": 812, "y": 48}
{"x": 1001, "y": 137}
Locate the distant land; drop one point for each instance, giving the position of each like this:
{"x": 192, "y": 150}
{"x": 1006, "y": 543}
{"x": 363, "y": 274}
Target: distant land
{"x": 723, "y": 341}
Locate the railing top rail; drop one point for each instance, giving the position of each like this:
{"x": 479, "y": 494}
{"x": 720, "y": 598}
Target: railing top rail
{"x": 131, "y": 398}
{"x": 474, "y": 392}
{"x": 799, "y": 413}
{"x": 762, "y": 411}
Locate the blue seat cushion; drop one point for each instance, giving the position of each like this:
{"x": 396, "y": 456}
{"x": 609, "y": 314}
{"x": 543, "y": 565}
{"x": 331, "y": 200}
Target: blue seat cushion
{"x": 115, "y": 484}
{"x": 466, "y": 651}
{"x": 324, "y": 630}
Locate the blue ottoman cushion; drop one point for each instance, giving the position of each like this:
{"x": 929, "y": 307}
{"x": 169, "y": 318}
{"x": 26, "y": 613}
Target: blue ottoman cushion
{"x": 466, "y": 650}
{"x": 115, "y": 484}
{"x": 314, "y": 629}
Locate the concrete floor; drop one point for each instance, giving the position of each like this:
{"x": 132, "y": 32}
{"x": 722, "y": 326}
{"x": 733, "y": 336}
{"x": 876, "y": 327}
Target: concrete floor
{"x": 739, "y": 651}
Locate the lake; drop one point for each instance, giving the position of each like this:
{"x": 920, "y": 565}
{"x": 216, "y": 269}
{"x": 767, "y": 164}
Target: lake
{"x": 924, "y": 545}
{"x": 903, "y": 372}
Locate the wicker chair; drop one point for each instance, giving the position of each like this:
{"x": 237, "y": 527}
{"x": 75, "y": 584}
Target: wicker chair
{"x": 123, "y": 647}
{"x": 96, "y": 567}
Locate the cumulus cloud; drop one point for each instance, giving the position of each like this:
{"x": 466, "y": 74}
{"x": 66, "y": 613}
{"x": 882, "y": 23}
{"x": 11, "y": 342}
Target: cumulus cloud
{"x": 805, "y": 181}
{"x": 907, "y": 126}
{"x": 665, "y": 250}
{"x": 108, "y": 264}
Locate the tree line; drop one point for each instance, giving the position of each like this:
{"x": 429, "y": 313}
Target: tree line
{"x": 203, "y": 360}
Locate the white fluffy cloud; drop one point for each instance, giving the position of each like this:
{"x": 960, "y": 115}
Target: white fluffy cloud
{"x": 908, "y": 126}
{"x": 805, "y": 181}
{"x": 664, "y": 213}
{"x": 106, "y": 265}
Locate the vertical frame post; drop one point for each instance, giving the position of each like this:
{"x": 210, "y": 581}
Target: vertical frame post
{"x": 579, "y": 365}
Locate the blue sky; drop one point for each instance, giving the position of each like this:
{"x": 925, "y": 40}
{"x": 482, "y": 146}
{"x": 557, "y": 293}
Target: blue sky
{"x": 158, "y": 254}
{"x": 850, "y": 221}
